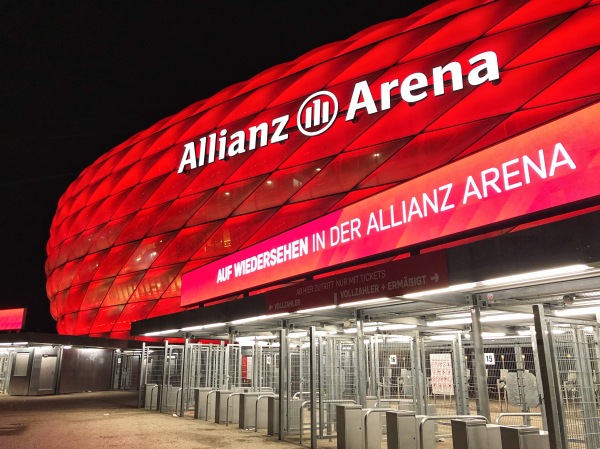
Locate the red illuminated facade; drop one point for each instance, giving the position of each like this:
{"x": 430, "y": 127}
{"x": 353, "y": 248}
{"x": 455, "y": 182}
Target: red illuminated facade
{"x": 412, "y": 105}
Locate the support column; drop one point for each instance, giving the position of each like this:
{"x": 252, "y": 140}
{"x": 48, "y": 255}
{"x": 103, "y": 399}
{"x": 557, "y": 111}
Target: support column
{"x": 550, "y": 385}
{"x": 142, "y": 380}
{"x": 483, "y": 400}
{"x": 361, "y": 381}
{"x": 184, "y": 377}
{"x": 461, "y": 391}
{"x": 313, "y": 388}
{"x": 417, "y": 364}
{"x": 164, "y": 376}
{"x": 284, "y": 361}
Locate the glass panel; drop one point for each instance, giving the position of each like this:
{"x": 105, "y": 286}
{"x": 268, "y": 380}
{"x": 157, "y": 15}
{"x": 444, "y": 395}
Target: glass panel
{"x": 186, "y": 243}
{"x": 106, "y": 318}
{"x": 345, "y": 171}
{"x": 465, "y": 27}
{"x": 428, "y": 151}
{"x": 138, "y": 196}
{"x": 225, "y": 200}
{"x": 155, "y": 282}
{"x": 88, "y": 267}
{"x": 141, "y": 223}
{"x": 109, "y": 205}
{"x": 179, "y": 212}
{"x": 95, "y": 294}
{"x": 171, "y": 188}
{"x": 84, "y": 321}
{"x": 133, "y": 312}
{"x": 122, "y": 288}
{"x": 280, "y": 186}
{"x": 577, "y": 83}
{"x": 577, "y": 32}
{"x": 115, "y": 259}
{"x": 147, "y": 252}
{"x": 357, "y": 195}
{"x": 232, "y": 234}
{"x": 166, "y": 306}
{"x": 292, "y": 215}
{"x": 490, "y": 100}
{"x": 109, "y": 233}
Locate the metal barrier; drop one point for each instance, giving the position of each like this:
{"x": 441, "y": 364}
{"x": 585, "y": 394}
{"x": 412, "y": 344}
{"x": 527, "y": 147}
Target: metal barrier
{"x": 503, "y": 415}
{"x": 208, "y": 400}
{"x": 443, "y": 417}
{"x": 368, "y": 411}
{"x": 227, "y": 409}
{"x": 331, "y": 401}
{"x": 262, "y": 396}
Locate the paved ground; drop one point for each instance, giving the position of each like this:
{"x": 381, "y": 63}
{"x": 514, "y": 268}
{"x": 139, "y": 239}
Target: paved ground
{"x": 106, "y": 420}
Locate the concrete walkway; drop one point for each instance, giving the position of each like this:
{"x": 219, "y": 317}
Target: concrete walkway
{"x": 105, "y": 420}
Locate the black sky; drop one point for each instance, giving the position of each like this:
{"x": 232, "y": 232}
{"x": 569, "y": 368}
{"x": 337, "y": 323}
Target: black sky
{"x": 77, "y": 77}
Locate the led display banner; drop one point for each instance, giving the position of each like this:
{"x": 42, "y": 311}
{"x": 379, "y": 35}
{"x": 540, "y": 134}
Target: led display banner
{"x": 553, "y": 165}
{"x": 12, "y": 319}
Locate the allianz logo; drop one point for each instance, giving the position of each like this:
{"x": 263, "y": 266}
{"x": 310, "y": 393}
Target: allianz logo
{"x": 319, "y": 111}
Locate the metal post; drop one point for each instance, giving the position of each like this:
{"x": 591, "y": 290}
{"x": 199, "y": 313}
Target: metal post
{"x": 322, "y": 384}
{"x": 417, "y": 357}
{"x": 164, "y": 376}
{"x": 551, "y": 387}
{"x": 142, "y": 379}
{"x": 375, "y": 370}
{"x": 588, "y": 399}
{"x": 313, "y": 389}
{"x": 184, "y": 380}
{"x": 460, "y": 384}
{"x": 361, "y": 392}
{"x": 521, "y": 382}
{"x": 483, "y": 400}
{"x": 540, "y": 387}
{"x": 284, "y": 361}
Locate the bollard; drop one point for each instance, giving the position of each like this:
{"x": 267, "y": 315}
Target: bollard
{"x": 273, "y": 415}
{"x": 221, "y": 405}
{"x": 349, "y": 426}
{"x": 469, "y": 434}
{"x": 521, "y": 437}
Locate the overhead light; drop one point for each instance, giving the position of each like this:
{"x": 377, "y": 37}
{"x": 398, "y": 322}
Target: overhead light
{"x": 67, "y": 347}
{"x": 399, "y": 339}
{"x": 245, "y": 320}
{"x": 17, "y": 343}
{"x": 276, "y": 315}
{"x": 506, "y": 317}
{"x": 169, "y": 331}
{"x": 256, "y": 337}
{"x": 395, "y": 327}
{"x": 524, "y": 333}
{"x": 553, "y": 272}
{"x": 452, "y": 288}
{"x": 192, "y": 328}
{"x": 367, "y": 329}
{"x": 576, "y": 311}
{"x": 210, "y": 326}
{"x": 490, "y": 335}
{"x": 316, "y": 309}
{"x": 152, "y": 334}
{"x": 443, "y": 337}
{"x": 449, "y": 322}
{"x": 364, "y": 302}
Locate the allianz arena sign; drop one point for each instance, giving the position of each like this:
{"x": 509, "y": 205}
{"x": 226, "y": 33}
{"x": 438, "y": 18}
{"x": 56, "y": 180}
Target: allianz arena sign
{"x": 319, "y": 111}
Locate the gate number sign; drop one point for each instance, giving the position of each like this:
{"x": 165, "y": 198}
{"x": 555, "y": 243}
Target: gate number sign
{"x": 490, "y": 359}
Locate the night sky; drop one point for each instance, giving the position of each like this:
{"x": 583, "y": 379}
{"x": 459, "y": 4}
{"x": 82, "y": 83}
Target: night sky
{"x": 79, "y": 77}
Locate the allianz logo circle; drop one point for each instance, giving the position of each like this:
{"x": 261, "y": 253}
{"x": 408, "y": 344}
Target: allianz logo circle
{"x": 319, "y": 111}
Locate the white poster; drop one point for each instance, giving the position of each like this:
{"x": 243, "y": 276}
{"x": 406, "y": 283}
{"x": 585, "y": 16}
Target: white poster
{"x": 441, "y": 374}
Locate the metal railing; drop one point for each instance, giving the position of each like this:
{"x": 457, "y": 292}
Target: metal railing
{"x": 368, "y": 411}
{"x": 330, "y": 401}
{"x": 503, "y": 415}
{"x": 262, "y": 396}
{"x": 443, "y": 417}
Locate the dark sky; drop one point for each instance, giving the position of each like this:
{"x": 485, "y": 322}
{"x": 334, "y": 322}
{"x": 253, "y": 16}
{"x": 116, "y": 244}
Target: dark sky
{"x": 77, "y": 77}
